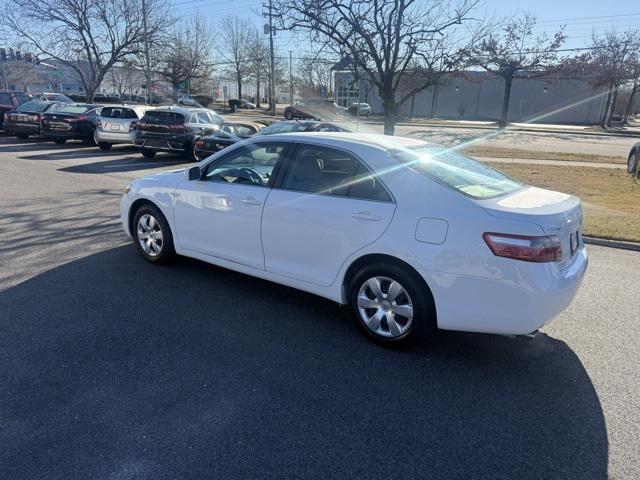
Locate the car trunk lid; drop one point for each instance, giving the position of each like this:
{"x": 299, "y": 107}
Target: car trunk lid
{"x": 555, "y": 213}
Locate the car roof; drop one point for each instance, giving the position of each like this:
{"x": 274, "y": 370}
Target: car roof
{"x": 385, "y": 142}
{"x": 182, "y": 110}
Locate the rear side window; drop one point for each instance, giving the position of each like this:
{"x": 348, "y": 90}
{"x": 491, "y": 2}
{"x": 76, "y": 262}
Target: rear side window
{"x": 5, "y": 99}
{"x": 163, "y": 118}
{"x": 22, "y": 98}
{"x": 74, "y": 109}
{"x": 456, "y": 171}
{"x": 33, "y": 107}
{"x": 118, "y": 112}
{"x": 327, "y": 171}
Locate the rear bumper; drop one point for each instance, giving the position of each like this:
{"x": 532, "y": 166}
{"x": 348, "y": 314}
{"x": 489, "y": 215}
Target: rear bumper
{"x": 28, "y": 128}
{"x": 67, "y": 135}
{"x": 517, "y": 305}
{"x": 180, "y": 143}
{"x": 115, "y": 137}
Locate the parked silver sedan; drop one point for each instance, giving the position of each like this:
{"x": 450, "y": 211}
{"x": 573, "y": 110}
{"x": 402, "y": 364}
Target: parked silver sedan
{"x": 117, "y": 124}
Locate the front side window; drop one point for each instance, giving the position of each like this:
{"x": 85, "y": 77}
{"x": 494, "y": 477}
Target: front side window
{"x": 456, "y": 171}
{"x": 251, "y": 165}
{"x": 327, "y": 171}
{"x": 203, "y": 118}
{"x": 5, "y": 99}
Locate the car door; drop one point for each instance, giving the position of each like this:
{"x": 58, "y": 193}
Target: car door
{"x": 220, "y": 214}
{"x": 326, "y": 206}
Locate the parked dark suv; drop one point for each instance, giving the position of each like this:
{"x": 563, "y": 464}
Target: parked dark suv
{"x": 72, "y": 121}
{"x": 174, "y": 129}
{"x": 10, "y": 99}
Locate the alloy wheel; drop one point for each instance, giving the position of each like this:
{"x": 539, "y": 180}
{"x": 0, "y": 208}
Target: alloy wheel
{"x": 385, "y": 307}
{"x": 150, "y": 235}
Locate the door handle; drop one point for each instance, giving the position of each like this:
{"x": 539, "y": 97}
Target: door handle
{"x": 251, "y": 201}
{"x": 366, "y": 216}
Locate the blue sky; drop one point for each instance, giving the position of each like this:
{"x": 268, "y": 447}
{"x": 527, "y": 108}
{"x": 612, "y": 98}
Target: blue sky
{"x": 550, "y": 13}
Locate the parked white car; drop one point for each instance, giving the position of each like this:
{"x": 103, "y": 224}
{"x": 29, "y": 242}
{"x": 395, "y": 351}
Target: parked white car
{"x": 187, "y": 100}
{"x": 411, "y": 235}
{"x": 117, "y": 125}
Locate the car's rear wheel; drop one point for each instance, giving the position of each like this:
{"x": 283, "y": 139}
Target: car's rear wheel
{"x": 60, "y": 141}
{"x": 632, "y": 162}
{"x": 391, "y": 304}
{"x": 104, "y": 146}
{"x": 147, "y": 153}
{"x": 152, "y": 235}
{"x": 22, "y": 136}
{"x": 288, "y": 115}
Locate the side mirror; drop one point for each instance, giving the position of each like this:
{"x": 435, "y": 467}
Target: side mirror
{"x": 194, "y": 173}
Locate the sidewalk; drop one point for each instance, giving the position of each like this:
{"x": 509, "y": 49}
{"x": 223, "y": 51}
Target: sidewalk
{"x": 561, "y": 163}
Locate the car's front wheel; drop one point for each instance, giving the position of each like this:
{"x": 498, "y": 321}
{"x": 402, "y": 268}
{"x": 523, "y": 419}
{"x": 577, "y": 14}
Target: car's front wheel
{"x": 632, "y": 162}
{"x": 22, "y": 136}
{"x": 152, "y": 235}
{"x": 288, "y": 115}
{"x": 60, "y": 141}
{"x": 391, "y": 304}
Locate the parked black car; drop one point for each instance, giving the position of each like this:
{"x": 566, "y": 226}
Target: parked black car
{"x": 9, "y": 99}
{"x": 72, "y": 121}
{"x": 228, "y": 134}
{"x": 317, "y": 108}
{"x": 293, "y": 126}
{"x": 633, "y": 159}
{"x": 174, "y": 129}
{"x": 24, "y": 120}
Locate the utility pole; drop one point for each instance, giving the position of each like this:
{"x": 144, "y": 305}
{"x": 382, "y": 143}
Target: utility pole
{"x": 272, "y": 83}
{"x": 147, "y": 71}
{"x": 290, "y": 78}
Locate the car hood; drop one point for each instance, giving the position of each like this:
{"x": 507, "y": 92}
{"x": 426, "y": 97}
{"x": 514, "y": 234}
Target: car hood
{"x": 168, "y": 179}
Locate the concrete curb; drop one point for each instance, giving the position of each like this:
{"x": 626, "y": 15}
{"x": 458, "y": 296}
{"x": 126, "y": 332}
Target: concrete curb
{"x": 605, "y": 242}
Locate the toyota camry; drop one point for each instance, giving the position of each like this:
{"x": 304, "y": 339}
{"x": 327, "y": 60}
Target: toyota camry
{"x": 413, "y": 237}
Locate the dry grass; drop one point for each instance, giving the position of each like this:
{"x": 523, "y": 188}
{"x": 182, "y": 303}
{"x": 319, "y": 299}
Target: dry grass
{"x": 500, "y": 152}
{"x": 610, "y": 198}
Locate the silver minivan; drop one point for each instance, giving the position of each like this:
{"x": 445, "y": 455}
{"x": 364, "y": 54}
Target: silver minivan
{"x": 117, "y": 124}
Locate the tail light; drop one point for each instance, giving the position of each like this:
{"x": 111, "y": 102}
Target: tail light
{"x": 6, "y": 116}
{"x": 79, "y": 118}
{"x": 133, "y": 126}
{"x": 199, "y": 144}
{"x": 178, "y": 128}
{"x": 521, "y": 247}
{"x": 99, "y": 124}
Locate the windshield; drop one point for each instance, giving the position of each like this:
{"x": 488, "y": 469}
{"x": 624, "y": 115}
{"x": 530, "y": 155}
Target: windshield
{"x": 285, "y": 128}
{"x": 33, "y": 107}
{"x": 457, "y": 171}
{"x": 75, "y": 109}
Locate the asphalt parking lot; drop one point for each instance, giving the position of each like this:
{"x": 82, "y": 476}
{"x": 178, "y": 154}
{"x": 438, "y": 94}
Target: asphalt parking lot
{"x": 112, "y": 368}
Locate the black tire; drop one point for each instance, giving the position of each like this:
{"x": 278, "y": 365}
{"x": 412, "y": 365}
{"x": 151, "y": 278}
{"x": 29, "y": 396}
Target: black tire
{"x": 423, "y": 325}
{"x": 104, "y": 146}
{"x": 167, "y": 252}
{"x": 60, "y": 141}
{"x": 22, "y": 136}
{"x": 632, "y": 162}
{"x": 147, "y": 153}
{"x": 288, "y": 115}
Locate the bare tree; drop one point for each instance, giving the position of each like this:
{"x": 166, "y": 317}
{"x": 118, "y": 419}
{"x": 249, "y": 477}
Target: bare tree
{"x": 88, "y": 36}
{"x": 187, "y": 57}
{"x": 518, "y": 49}
{"x": 388, "y": 40}
{"x": 613, "y": 61}
{"x": 314, "y": 76}
{"x": 259, "y": 62}
{"x": 238, "y": 37}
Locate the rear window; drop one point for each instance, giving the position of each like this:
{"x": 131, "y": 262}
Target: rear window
{"x": 33, "y": 107}
{"x": 163, "y": 118}
{"x": 73, "y": 109}
{"x": 118, "y": 112}
{"x": 456, "y": 171}
{"x": 284, "y": 128}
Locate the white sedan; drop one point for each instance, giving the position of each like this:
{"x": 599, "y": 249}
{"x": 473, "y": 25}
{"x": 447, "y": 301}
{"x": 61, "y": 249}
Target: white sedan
{"x": 412, "y": 236}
